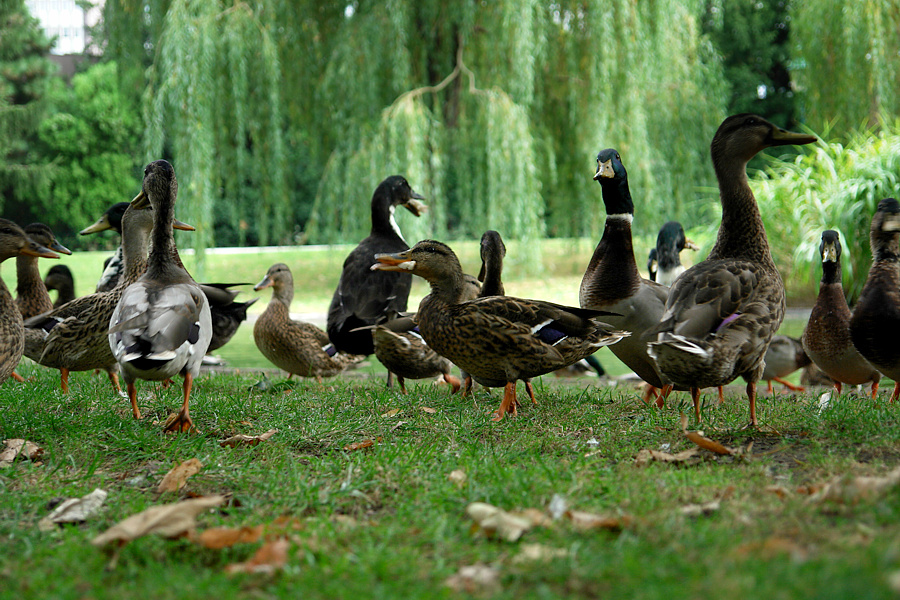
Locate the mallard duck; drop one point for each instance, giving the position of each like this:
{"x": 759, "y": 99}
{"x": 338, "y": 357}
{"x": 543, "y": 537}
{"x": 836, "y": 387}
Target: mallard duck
{"x": 499, "y": 339}
{"x": 364, "y": 298}
{"x": 32, "y": 297}
{"x": 73, "y": 337}
{"x": 227, "y": 315}
{"x": 612, "y": 282}
{"x": 403, "y": 352}
{"x": 721, "y": 313}
{"x": 652, "y": 264}
{"x": 114, "y": 266}
{"x": 295, "y": 346}
{"x": 59, "y": 279}
{"x": 876, "y": 317}
{"x": 493, "y": 251}
{"x": 13, "y": 242}
{"x": 669, "y": 243}
{"x": 826, "y": 337}
{"x": 784, "y": 356}
{"x": 161, "y": 326}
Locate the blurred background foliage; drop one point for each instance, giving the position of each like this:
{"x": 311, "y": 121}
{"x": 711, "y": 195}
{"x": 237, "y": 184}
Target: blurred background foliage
{"x": 281, "y": 116}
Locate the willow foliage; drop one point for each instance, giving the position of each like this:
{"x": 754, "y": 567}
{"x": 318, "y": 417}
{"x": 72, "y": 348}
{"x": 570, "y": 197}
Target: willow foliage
{"x": 847, "y": 61}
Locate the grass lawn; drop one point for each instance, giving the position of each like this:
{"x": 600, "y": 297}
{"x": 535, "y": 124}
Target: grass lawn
{"x": 387, "y": 521}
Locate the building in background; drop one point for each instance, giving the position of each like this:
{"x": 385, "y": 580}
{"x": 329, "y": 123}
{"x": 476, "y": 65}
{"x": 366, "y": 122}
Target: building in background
{"x": 67, "y": 22}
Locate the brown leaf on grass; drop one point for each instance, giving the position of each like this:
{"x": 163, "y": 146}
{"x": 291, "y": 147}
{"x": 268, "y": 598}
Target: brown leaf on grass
{"x": 458, "y": 478}
{"x": 530, "y": 553}
{"x": 773, "y": 547}
{"x": 247, "y": 440}
{"x": 585, "y": 521}
{"x": 779, "y": 490}
{"x": 391, "y": 413}
{"x": 497, "y": 523}
{"x": 361, "y": 445}
{"x": 226, "y": 537}
{"x": 698, "y": 510}
{"x": 537, "y": 518}
{"x": 426, "y": 409}
{"x": 645, "y": 456}
{"x": 74, "y": 510}
{"x": 167, "y": 520}
{"x": 478, "y": 579}
{"x": 852, "y": 490}
{"x": 177, "y": 477}
{"x": 701, "y": 440}
{"x": 19, "y": 447}
{"x": 271, "y": 556}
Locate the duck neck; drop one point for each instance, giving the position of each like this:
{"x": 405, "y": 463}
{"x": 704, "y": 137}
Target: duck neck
{"x": 164, "y": 262}
{"x": 613, "y": 271}
{"x": 450, "y": 288}
{"x": 283, "y": 293}
{"x": 493, "y": 278}
{"x": 383, "y": 221}
{"x": 741, "y": 234}
{"x": 28, "y": 277}
{"x": 831, "y": 272}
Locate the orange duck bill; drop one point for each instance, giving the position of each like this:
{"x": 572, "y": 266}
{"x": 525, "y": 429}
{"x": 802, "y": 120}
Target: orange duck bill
{"x": 394, "y": 262}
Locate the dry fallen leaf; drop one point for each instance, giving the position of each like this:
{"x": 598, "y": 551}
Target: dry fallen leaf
{"x": 225, "y": 537}
{"x": 478, "y": 579}
{"x": 167, "y": 520}
{"x": 701, "y": 440}
{"x": 391, "y": 413}
{"x": 779, "y": 490}
{"x": 851, "y": 490}
{"x": 496, "y": 522}
{"x": 428, "y": 410}
{"x": 176, "y": 478}
{"x": 697, "y": 510}
{"x": 19, "y": 447}
{"x": 457, "y": 477}
{"x": 247, "y": 440}
{"x": 538, "y": 553}
{"x": 585, "y": 521}
{"x": 271, "y": 556}
{"x": 361, "y": 445}
{"x": 688, "y": 456}
{"x": 74, "y": 510}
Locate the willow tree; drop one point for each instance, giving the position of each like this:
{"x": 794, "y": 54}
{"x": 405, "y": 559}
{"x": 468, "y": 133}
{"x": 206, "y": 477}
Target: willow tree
{"x": 848, "y": 70}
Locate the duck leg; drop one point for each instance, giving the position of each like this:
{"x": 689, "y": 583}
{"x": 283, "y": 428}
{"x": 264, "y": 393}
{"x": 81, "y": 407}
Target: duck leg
{"x": 182, "y": 423}
{"x": 695, "y": 398}
{"x": 64, "y": 380}
{"x": 17, "y": 377}
{"x": 132, "y": 395}
{"x": 894, "y": 394}
{"x": 838, "y": 388}
{"x": 402, "y": 383}
{"x": 788, "y": 385}
{"x": 455, "y": 383}
{"x": 664, "y": 395}
{"x": 874, "y": 389}
{"x": 530, "y": 389}
{"x": 508, "y": 405}
{"x": 751, "y": 396}
{"x": 650, "y": 391}
{"x": 114, "y": 379}
{"x": 721, "y": 395}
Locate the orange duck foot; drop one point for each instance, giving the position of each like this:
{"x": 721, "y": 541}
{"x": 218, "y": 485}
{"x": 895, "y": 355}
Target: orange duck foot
{"x": 509, "y": 403}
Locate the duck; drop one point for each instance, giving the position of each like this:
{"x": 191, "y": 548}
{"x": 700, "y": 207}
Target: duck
{"x": 404, "y": 353}
{"x": 499, "y": 339}
{"x": 784, "y": 356}
{"x": 363, "y": 298}
{"x": 114, "y": 266}
{"x": 227, "y": 314}
{"x": 59, "y": 279}
{"x": 161, "y": 326}
{"x": 612, "y": 282}
{"x": 826, "y": 337}
{"x": 297, "y": 347}
{"x": 721, "y": 313}
{"x": 73, "y": 337}
{"x": 492, "y": 251}
{"x": 652, "y": 264}
{"x": 32, "y": 297}
{"x": 877, "y": 313}
{"x": 14, "y": 242}
{"x": 669, "y": 243}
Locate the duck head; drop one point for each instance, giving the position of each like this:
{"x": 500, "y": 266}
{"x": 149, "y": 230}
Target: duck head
{"x": 740, "y": 137}
{"x": 279, "y": 275}
{"x": 400, "y": 193}
{"x": 830, "y": 248}
{"x": 42, "y": 234}
{"x": 429, "y": 259}
{"x": 111, "y": 219}
{"x": 885, "y": 231}
{"x": 159, "y": 184}
{"x": 613, "y": 178}
{"x": 14, "y": 241}
{"x": 493, "y": 251}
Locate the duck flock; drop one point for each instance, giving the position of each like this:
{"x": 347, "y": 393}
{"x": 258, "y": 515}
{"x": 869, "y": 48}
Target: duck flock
{"x": 691, "y": 329}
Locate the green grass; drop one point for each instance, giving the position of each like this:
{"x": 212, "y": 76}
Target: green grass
{"x": 409, "y": 531}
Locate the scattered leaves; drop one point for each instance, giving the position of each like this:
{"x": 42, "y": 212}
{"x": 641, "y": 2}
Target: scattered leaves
{"x": 458, "y": 478}
{"x": 167, "y": 520}
{"x": 497, "y": 523}
{"x": 176, "y": 478}
{"x": 478, "y": 579}
{"x": 852, "y": 490}
{"x": 19, "y": 447}
{"x": 645, "y": 456}
{"x": 217, "y": 538}
{"x": 271, "y": 556}
{"x": 538, "y": 553}
{"x": 585, "y": 521}
{"x": 247, "y": 440}
{"x": 74, "y": 510}
{"x": 360, "y": 445}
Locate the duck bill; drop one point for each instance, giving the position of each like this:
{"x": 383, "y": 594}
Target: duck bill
{"x": 783, "y": 137}
{"x": 142, "y": 200}
{"x": 57, "y": 247}
{"x": 266, "y": 282}
{"x": 393, "y": 262}
{"x": 414, "y": 206}
{"x": 101, "y": 224}
{"x": 35, "y": 249}
{"x": 182, "y": 226}
{"x": 604, "y": 170}
{"x": 829, "y": 253}
{"x": 691, "y": 245}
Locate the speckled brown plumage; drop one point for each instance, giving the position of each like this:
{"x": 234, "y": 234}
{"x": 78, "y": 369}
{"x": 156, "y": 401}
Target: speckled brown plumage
{"x": 721, "y": 314}
{"x": 294, "y": 346}
{"x": 826, "y": 337}
{"x": 875, "y": 324}
{"x": 32, "y": 297}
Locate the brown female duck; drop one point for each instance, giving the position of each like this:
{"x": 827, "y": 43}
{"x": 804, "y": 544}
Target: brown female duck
{"x": 13, "y": 242}
{"x": 721, "y": 313}
{"x": 32, "y": 297}
{"x": 875, "y": 324}
{"x": 498, "y": 340}
{"x": 114, "y": 266}
{"x": 59, "y": 279}
{"x": 295, "y": 346}
{"x": 826, "y": 337}
{"x": 161, "y": 326}
{"x": 784, "y": 356}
